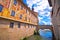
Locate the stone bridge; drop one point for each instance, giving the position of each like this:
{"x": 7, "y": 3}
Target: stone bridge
{"x": 46, "y": 27}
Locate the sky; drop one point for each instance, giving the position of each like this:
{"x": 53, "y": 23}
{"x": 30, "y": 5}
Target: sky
{"x": 43, "y": 9}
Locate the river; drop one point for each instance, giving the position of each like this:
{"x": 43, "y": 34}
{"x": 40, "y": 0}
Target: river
{"x": 46, "y": 34}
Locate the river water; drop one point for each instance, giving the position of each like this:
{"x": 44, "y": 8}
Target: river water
{"x": 46, "y": 34}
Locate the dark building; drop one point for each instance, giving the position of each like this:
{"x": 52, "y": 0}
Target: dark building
{"x": 56, "y": 18}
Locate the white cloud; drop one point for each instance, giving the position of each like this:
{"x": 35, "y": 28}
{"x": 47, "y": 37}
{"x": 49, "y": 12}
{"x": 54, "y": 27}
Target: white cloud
{"x": 48, "y": 14}
{"x": 35, "y": 1}
{"x": 41, "y": 5}
{"x": 44, "y": 22}
{"x": 40, "y": 18}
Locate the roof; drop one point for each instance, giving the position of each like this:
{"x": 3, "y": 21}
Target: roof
{"x": 34, "y": 13}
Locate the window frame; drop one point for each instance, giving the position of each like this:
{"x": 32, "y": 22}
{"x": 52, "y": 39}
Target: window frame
{"x": 29, "y": 19}
{"x": 25, "y": 18}
{"x": 11, "y": 24}
{"x": 13, "y": 13}
{"x": 21, "y": 7}
{"x": 19, "y": 25}
{"x": 21, "y": 16}
{"x": 26, "y": 11}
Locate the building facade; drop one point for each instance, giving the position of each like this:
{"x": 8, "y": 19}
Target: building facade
{"x": 16, "y": 20}
{"x": 56, "y": 18}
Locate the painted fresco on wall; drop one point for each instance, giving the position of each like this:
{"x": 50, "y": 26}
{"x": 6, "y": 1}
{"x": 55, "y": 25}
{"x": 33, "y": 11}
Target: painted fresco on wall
{"x": 14, "y": 6}
{"x": 5, "y": 3}
{"x": 18, "y": 7}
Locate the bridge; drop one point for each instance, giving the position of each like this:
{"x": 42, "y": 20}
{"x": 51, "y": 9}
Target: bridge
{"x": 46, "y": 27}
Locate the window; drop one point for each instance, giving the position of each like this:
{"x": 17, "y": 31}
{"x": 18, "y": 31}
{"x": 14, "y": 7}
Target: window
{"x": 29, "y": 20}
{"x": 18, "y": 25}
{"x": 28, "y": 25}
{"x": 26, "y": 11}
{"x": 31, "y": 26}
{"x": 26, "y": 18}
{"x": 21, "y": 16}
{"x": 1, "y": 8}
{"x": 15, "y": 2}
{"x": 25, "y": 25}
{"x": 11, "y": 25}
{"x": 21, "y": 7}
{"x": 12, "y": 13}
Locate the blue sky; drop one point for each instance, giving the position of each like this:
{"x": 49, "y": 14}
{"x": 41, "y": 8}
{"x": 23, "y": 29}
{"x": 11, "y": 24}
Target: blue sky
{"x": 43, "y": 9}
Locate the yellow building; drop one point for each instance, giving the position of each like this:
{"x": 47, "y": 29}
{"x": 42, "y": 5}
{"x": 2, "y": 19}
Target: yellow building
{"x": 16, "y": 20}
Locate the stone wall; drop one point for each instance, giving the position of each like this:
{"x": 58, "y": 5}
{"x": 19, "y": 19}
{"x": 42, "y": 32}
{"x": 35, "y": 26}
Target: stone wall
{"x": 15, "y": 33}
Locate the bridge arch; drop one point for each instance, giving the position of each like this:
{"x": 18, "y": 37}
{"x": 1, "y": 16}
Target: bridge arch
{"x": 46, "y": 27}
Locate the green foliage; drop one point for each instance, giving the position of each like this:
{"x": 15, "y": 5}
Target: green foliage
{"x": 36, "y": 33}
{"x": 37, "y": 37}
{"x": 25, "y": 38}
{"x": 33, "y": 37}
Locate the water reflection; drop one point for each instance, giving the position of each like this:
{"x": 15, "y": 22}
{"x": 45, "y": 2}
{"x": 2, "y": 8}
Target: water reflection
{"x": 46, "y": 34}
